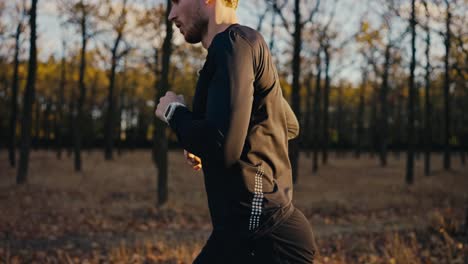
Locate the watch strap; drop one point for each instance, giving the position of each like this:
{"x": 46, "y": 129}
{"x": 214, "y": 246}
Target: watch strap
{"x": 170, "y": 110}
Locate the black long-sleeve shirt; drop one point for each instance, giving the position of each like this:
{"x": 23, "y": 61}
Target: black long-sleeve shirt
{"x": 239, "y": 127}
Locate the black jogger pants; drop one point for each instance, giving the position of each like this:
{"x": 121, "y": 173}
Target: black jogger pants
{"x": 292, "y": 242}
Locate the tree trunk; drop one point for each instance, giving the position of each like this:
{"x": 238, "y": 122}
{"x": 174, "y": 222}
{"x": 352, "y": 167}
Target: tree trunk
{"x": 399, "y": 124}
{"x": 308, "y": 132}
{"x": 28, "y": 101}
{"x": 295, "y": 102}
{"x": 410, "y": 149}
{"x": 340, "y": 123}
{"x": 316, "y": 123}
{"x": 374, "y": 126}
{"x": 160, "y": 145}
{"x": 71, "y": 123}
{"x": 78, "y": 118}
{"x": 447, "y": 82}
{"x": 61, "y": 100}
{"x": 37, "y": 127}
{"x": 360, "y": 117}
{"x": 110, "y": 123}
{"x": 46, "y": 124}
{"x": 383, "y": 120}
{"x": 418, "y": 140}
{"x": 466, "y": 221}
{"x": 14, "y": 100}
{"x": 326, "y": 100}
{"x": 110, "y": 111}
{"x": 428, "y": 107}
{"x": 134, "y": 131}
{"x": 119, "y": 118}
{"x": 273, "y": 25}
{"x": 92, "y": 105}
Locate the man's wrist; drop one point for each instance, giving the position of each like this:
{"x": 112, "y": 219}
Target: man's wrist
{"x": 169, "y": 112}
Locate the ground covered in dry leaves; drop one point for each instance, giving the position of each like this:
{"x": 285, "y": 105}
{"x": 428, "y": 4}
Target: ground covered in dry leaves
{"x": 360, "y": 212}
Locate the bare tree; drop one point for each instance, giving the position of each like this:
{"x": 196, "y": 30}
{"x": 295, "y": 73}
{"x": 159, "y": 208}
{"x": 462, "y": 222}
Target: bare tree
{"x": 272, "y": 8}
{"x": 411, "y": 99}
{"x": 161, "y": 50}
{"x": 122, "y": 103}
{"x": 386, "y": 47}
{"x": 317, "y": 106}
{"x": 327, "y": 42}
{"x": 427, "y": 97}
{"x": 299, "y": 24}
{"x": 160, "y": 140}
{"x": 36, "y": 121}
{"x": 21, "y": 11}
{"x": 80, "y": 14}
{"x": 326, "y": 99}
{"x": 59, "y": 118}
{"x": 460, "y": 66}
{"x": 447, "y": 82}
{"x": 383, "y": 120}
{"x": 118, "y": 27}
{"x": 361, "y": 113}
{"x": 92, "y": 105}
{"x": 308, "y": 113}
{"x": 28, "y": 99}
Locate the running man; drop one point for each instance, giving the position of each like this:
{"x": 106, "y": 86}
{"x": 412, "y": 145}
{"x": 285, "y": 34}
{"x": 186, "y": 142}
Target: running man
{"x": 237, "y": 132}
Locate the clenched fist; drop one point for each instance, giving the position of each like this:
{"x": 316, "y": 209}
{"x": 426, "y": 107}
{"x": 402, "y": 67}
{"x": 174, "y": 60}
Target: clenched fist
{"x": 169, "y": 97}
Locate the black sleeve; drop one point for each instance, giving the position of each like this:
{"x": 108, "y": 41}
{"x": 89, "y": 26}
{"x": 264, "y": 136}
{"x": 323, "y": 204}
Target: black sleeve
{"x": 229, "y": 104}
{"x": 291, "y": 120}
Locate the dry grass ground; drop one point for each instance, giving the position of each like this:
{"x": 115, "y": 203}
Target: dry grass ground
{"x": 360, "y": 212}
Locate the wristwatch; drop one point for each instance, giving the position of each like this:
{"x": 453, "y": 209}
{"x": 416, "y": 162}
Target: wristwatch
{"x": 170, "y": 110}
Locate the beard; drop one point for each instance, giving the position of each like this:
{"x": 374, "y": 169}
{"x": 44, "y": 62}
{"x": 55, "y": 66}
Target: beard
{"x": 198, "y": 28}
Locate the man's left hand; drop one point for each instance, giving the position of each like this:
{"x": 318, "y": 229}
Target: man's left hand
{"x": 164, "y": 101}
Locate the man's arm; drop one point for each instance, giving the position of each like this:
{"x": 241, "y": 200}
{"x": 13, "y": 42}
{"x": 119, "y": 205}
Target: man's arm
{"x": 229, "y": 104}
{"x": 291, "y": 120}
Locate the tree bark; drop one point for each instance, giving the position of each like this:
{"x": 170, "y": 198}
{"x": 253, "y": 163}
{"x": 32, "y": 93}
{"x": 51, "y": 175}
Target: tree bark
{"x": 340, "y": 119}
{"x": 110, "y": 120}
{"x": 37, "y": 127}
{"x": 383, "y": 120}
{"x": 326, "y": 100}
{"x": 360, "y": 117}
{"x": 411, "y": 136}
{"x": 119, "y": 118}
{"x": 71, "y": 122}
{"x": 160, "y": 144}
{"x": 374, "y": 121}
{"x": 399, "y": 124}
{"x": 28, "y": 100}
{"x": 60, "y": 102}
{"x": 447, "y": 83}
{"x": 110, "y": 126}
{"x": 14, "y": 100}
{"x": 295, "y": 96}
{"x": 308, "y": 116}
{"x": 78, "y": 118}
{"x": 46, "y": 124}
{"x": 273, "y": 26}
{"x": 92, "y": 105}
{"x": 316, "y": 123}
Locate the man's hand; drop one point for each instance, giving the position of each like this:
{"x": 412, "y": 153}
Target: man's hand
{"x": 193, "y": 160}
{"x": 164, "y": 101}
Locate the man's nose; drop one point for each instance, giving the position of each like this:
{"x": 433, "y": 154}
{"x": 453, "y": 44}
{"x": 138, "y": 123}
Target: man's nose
{"x": 172, "y": 14}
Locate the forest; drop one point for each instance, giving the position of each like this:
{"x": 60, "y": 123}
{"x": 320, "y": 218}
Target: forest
{"x": 88, "y": 174}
